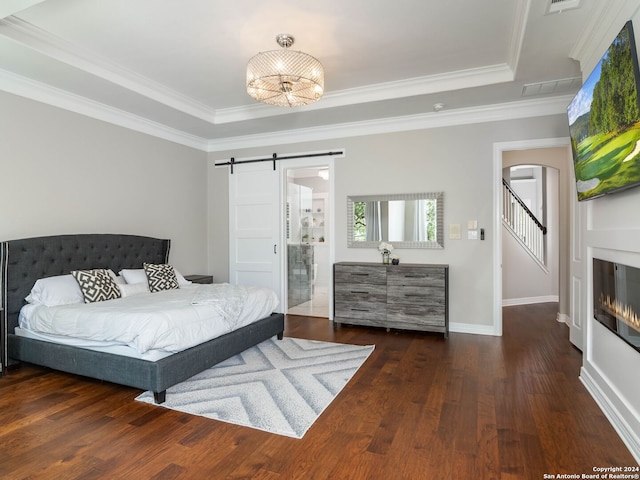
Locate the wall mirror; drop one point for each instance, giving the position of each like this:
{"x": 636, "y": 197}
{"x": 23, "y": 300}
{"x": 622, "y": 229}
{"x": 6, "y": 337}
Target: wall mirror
{"x": 413, "y": 220}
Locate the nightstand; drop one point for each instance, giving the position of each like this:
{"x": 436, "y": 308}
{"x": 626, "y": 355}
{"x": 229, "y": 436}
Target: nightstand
{"x": 199, "y": 278}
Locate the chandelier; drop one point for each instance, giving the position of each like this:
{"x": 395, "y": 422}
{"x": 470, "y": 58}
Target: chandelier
{"x": 285, "y": 78}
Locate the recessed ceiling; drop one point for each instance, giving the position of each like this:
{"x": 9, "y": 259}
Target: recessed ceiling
{"x": 177, "y": 69}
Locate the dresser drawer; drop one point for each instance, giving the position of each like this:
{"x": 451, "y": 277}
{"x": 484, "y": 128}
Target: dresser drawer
{"x": 419, "y": 317}
{"x": 360, "y": 292}
{"x": 419, "y": 276}
{"x": 370, "y": 274}
{"x": 408, "y": 296}
{"x": 412, "y": 295}
{"x": 373, "y": 312}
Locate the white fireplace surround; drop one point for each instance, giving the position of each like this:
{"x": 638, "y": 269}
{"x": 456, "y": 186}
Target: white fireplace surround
{"x": 606, "y": 356}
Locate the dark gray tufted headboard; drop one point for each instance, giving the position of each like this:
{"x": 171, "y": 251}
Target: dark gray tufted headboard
{"x": 24, "y": 261}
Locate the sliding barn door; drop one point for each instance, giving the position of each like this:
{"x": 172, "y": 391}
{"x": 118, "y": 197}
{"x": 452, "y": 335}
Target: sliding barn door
{"x": 254, "y": 226}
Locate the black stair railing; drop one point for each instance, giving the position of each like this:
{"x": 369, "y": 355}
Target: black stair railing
{"x": 523, "y": 223}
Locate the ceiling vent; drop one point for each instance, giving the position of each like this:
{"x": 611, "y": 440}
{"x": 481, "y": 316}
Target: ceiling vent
{"x": 557, "y": 6}
{"x": 552, "y": 87}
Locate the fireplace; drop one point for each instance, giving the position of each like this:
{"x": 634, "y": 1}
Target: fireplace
{"x": 616, "y": 299}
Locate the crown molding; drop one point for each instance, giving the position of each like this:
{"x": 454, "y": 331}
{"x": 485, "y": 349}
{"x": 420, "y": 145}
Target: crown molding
{"x": 520, "y": 16}
{"x": 28, "y": 88}
{"x": 605, "y": 23}
{"x": 9, "y": 7}
{"x": 25, "y": 87}
{"x": 85, "y": 60}
{"x": 74, "y": 55}
{"x": 491, "y": 113}
{"x": 474, "y": 77}
{"x": 61, "y": 50}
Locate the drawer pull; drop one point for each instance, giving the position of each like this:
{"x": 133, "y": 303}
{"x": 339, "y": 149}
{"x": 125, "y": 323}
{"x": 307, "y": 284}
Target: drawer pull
{"x": 359, "y": 310}
{"x": 356, "y": 291}
{"x": 361, "y": 274}
{"x": 415, "y": 276}
{"x": 414, "y": 294}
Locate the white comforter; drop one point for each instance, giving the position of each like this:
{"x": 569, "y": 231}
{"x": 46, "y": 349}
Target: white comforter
{"x": 171, "y": 320}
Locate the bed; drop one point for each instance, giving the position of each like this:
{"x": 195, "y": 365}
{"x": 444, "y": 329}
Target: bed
{"x": 24, "y": 261}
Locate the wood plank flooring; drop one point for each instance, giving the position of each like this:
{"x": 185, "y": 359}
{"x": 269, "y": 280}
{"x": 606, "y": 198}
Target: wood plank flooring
{"x": 470, "y": 407}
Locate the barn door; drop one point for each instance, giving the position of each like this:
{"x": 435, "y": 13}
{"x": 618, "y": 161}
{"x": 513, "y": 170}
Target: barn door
{"x": 254, "y": 226}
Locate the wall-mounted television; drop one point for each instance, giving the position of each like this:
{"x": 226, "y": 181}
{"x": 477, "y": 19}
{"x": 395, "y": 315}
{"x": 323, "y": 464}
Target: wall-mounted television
{"x": 604, "y": 122}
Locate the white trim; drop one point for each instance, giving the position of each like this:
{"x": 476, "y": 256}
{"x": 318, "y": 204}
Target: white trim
{"x": 473, "y": 329}
{"x": 517, "y": 39}
{"x": 615, "y": 417}
{"x": 310, "y": 162}
{"x": 24, "y": 87}
{"x": 563, "y": 318}
{"x": 603, "y": 25}
{"x": 474, "y": 77}
{"x": 498, "y": 149}
{"x": 61, "y": 50}
{"x": 530, "y": 300}
{"x": 88, "y": 61}
{"x": 9, "y": 7}
{"x": 463, "y": 116}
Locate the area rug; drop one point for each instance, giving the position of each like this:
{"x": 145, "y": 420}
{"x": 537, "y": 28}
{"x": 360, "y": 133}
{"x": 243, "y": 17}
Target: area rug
{"x": 279, "y": 386}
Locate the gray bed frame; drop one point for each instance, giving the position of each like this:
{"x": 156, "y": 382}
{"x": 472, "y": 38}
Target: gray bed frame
{"x": 22, "y": 262}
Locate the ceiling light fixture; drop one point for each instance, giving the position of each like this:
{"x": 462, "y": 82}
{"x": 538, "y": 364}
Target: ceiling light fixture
{"x": 286, "y": 78}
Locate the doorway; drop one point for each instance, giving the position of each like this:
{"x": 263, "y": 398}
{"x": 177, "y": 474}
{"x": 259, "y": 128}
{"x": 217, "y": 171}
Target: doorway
{"x": 307, "y": 231}
{"x": 562, "y": 164}
{"x": 531, "y": 229}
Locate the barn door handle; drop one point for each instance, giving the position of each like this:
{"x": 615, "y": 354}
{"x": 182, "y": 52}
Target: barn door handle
{"x": 275, "y": 249}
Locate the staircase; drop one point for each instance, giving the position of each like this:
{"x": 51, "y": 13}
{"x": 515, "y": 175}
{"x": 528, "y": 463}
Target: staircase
{"x": 523, "y": 225}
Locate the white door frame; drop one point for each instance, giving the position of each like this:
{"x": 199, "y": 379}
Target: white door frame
{"x": 307, "y": 162}
{"x": 498, "y": 149}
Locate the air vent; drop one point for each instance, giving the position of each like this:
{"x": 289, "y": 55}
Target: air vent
{"x": 553, "y": 86}
{"x": 557, "y": 6}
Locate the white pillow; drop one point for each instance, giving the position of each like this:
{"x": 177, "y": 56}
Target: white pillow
{"x": 133, "y": 276}
{"x": 127, "y": 290}
{"x": 58, "y": 290}
{"x": 181, "y": 280}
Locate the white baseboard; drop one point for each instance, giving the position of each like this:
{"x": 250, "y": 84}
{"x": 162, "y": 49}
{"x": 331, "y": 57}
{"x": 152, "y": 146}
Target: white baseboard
{"x": 620, "y": 425}
{"x": 562, "y": 318}
{"x": 474, "y": 329}
{"x": 529, "y": 300}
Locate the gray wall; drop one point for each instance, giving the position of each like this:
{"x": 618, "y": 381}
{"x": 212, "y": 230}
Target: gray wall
{"x": 456, "y": 160}
{"x": 521, "y": 277}
{"x": 65, "y": 173}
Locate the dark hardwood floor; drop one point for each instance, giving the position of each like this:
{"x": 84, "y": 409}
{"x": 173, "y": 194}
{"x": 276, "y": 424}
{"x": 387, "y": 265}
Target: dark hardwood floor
{"x": 470, "y": 407}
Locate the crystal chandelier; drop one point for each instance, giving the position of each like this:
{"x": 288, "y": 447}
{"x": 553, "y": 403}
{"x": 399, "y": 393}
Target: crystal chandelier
{"x": 285, "y": 78}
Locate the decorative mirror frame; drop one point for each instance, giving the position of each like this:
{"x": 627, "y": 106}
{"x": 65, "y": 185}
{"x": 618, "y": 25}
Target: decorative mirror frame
{"x": 439, "y": 196}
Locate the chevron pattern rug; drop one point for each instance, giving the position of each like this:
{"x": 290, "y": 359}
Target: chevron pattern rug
{"x": 279, "y": 386}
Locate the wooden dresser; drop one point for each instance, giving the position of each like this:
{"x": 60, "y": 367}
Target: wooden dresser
{"x": 406, "y": 296}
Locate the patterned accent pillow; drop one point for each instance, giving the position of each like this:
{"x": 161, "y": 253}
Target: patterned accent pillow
{"x": 96, "y": 285}
{"x": 160, "y": 277}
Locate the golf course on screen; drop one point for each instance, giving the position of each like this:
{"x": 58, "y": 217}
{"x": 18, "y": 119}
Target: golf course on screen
{"x": 604, "y": 122}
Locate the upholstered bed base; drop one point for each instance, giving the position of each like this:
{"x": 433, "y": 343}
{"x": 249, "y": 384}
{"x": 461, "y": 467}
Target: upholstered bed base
{"x": 22, "y": 262}
{"x": 156, "y": 376}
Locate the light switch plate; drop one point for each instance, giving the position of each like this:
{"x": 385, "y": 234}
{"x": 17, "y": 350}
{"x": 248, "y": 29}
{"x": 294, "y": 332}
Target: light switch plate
{"x": 473, "y": 234}
{"x": 472, "y": 224}
{"x": 454, "y": 231}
